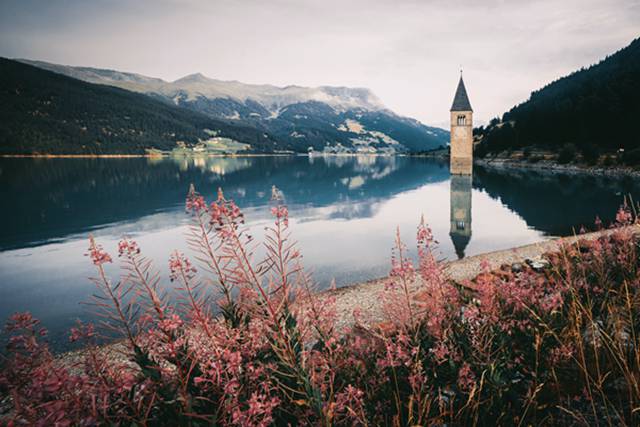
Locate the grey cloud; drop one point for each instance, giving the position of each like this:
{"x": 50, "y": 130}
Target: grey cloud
{"x": 408, "y": 52}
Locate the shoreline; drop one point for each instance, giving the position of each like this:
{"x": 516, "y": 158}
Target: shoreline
{"x": 553, "y": 168}
{"x": 133, "y": 156}
{"x": 501, "y": 164}
{"x": 364, "y": 299}
{"x": 364, "y": 296}
{"x": 190, "y": 156}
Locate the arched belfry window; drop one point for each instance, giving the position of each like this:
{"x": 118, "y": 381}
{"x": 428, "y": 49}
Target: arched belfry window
{"x": 462, "y": 120}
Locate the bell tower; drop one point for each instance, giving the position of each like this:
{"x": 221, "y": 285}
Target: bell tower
{"x": 461, "y": 157}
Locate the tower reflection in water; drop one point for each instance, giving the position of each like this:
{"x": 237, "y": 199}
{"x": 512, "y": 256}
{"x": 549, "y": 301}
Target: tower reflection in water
{"x": 460, "y": 194}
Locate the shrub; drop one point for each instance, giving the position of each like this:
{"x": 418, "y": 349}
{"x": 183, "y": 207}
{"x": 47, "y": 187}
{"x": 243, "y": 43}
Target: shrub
{"x": 543, "y": 345}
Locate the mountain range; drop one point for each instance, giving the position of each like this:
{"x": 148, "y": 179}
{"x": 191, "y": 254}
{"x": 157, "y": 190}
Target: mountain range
{"x": 292, "y": 118}
{"x": 42, "y": 112}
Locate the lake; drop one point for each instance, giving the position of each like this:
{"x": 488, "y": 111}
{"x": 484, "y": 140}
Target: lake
{"x": 343, "y": 210}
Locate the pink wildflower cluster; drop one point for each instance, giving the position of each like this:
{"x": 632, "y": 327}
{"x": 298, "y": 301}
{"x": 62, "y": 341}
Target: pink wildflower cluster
{"x": 507, "y": 300}
{"x": 240, "y": 341}
{"x": 466, "y": 377}
{"x": 97, "y": 254}
{"x": 224, "y": 211}
{"x": 128, "y": 247}
{"x": 180, "y": 265}
{"x": 422, "y": 290}
{"x": 624, "y": 216}
{"x": 195, "y": 202}
{"x": 349, "y": 406}
{"x": 82, "y": 332}
{"x": 281, "y": 212}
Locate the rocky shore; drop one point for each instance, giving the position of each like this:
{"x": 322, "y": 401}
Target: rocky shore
{"x": 364, "y": 300}
{"x": 552, "y": 167}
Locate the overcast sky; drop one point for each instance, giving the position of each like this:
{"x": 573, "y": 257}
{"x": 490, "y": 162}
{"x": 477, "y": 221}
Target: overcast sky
{"x": 408, "y": 52}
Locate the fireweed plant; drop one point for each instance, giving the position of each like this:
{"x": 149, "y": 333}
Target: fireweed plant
{"x": 248, "y": 342}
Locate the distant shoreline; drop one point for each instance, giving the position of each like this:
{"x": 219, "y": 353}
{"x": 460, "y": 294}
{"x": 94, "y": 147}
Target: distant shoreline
{"x": 197, "y": 155}
{"x": 134, "y": 156}
{"x": 80, "y": 156}
{"x": 551, "y": 167}
{"x": 543, "y": 166}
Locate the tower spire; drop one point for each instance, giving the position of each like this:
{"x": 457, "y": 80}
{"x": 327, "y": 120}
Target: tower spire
{"x": 461, "y": 100}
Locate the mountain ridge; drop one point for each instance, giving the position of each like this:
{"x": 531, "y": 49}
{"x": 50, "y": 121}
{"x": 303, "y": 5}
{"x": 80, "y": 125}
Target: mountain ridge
{"x": 333, "y": 95}
{"x": 42, "y": 112}
{"x": 300, "y": 118}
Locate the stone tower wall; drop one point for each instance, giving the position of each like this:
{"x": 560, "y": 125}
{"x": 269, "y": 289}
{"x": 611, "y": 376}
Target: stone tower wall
{"x": 461, "y": 143}
{"x": 460, "y": 203}
{"x": 460, "y": 231}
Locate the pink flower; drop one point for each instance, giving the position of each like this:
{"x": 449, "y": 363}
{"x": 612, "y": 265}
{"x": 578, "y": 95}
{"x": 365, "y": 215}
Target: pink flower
{"x": 424, "y": 235}
{"x": 466, "y": 377}
{"x": 179, "y": 264}
{"x": 440, "y": 352}
{"x": 81, "y": 332}
{"x": 128, "y": 247}
{"x": 349, "y": 404}
{"x": 624, "y": 215}
{"x": 24, "y": 320}
{"x": 215, "y": 213}
{"x": 195, "y": 203}
{"x": 402, "y": 268}
{"x": 170, "y": 323}
{"x": 281, "y": 213}
{"x": 97, "y": 254}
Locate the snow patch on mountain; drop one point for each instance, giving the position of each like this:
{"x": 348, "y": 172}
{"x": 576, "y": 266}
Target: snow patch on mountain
{"x": 193, "y": 86}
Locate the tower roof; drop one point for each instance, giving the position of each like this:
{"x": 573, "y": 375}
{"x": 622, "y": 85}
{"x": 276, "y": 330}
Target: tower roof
{"x": 460, "y": 243}
{"x": 461, "y": 100}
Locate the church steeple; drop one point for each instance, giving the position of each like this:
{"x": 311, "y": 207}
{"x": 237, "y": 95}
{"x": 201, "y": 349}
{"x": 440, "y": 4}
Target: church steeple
{"x": 461, "y": 152}
{"x": 461, "y": 100}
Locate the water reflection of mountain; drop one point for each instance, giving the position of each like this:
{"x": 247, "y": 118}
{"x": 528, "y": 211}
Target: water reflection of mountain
{"x": 49, "y": 199}
{"x": 556, "y": 204}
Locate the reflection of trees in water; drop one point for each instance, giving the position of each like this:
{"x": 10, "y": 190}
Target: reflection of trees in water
{"x": 556, "y": 204}
{"x": 52, "y": 198}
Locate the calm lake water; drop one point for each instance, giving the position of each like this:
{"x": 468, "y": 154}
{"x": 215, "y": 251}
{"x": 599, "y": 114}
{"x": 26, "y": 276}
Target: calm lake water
{"x": 344, "y": 212}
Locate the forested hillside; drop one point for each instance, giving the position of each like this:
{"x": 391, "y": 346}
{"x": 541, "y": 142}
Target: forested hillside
{"x": 592, "y": 111}
{"x": 323, "y": 118}
{"x": 45, "y": 112}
